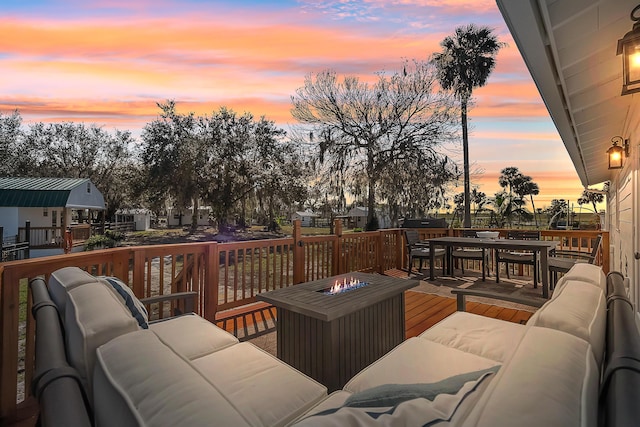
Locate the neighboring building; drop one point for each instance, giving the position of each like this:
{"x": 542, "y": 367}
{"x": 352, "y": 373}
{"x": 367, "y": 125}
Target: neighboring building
{"x": 357, "y": 218}
{"x": 140, "y": 217}
{"x": 571, "y": 51}
{"x": 307, "y": 219}
{"x": 49, "y": 204}
{"x": 173, "y": 216}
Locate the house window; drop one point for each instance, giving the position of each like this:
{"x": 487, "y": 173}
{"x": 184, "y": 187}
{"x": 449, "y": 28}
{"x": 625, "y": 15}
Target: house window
{"x": 54, "y": 218}
{"x": 45, "y": 211}
{"x": 176, "y": 216}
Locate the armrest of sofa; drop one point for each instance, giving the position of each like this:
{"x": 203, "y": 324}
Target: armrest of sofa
{"x": 57, "y": 386}
{"x": 621, "y": 372}
{"x": 189, "y": 299}
{"x": 461, "y": 295}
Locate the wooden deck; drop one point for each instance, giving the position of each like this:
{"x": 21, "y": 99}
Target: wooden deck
{"x": 422, "y": 310}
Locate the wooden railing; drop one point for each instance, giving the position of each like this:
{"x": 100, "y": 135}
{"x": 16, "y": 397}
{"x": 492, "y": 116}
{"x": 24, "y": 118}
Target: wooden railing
{"x": 225, "y": 275}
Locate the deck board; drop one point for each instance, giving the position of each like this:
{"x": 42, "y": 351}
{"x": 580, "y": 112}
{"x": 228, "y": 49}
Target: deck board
{"x": 422, "y": 310}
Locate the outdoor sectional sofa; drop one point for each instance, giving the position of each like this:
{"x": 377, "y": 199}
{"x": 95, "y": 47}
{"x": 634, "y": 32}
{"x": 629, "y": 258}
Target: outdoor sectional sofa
{"x": 575, "y": 363}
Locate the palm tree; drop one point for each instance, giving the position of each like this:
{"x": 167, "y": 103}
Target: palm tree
{"x": 466, "y": 60}
{"x": 508, "y": 177}
{"x": 524, "y": 186}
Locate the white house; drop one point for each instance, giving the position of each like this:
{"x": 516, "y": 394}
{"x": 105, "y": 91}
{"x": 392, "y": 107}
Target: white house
{"x": 173, "y": 216}
{"x": 307, "y": 218}
{"x": 49, "y": 204}
{"x": 140, "y": 217}
{"x": 357, "y": 217}
{"x": 571, "y": 50}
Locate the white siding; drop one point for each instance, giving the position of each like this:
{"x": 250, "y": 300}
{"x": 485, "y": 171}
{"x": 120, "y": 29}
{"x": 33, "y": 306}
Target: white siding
{"x": 37, "y": 217}
{"x": 625, "y": 225}
{"x": 86, "y": 196}
{"x": 9, "y": 221}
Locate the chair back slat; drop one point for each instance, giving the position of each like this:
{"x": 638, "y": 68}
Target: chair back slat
{"x": 412, "y": 237}
{"x": 595, "y": 249}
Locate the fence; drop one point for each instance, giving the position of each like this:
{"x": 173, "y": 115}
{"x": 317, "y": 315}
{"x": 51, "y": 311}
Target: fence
{"x": 225, "y": 275}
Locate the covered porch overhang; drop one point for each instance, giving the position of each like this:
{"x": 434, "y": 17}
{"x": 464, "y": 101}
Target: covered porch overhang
{"x": 569, "y": 48}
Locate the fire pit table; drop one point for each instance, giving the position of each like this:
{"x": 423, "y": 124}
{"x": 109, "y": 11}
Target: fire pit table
{"x": 331, "y": 336}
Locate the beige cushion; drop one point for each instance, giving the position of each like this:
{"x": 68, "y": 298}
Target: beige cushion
{"x": 483, "y": 336}
{"x": 266, "y": 391}
{"x": 129, "y": 299}
{"x": 551, "y": 380}
{"x": 191, "y": 336}
{"x": 93, "y": 316}
{"x": 585, "y": 272}
{"x": 334, "y": 400}
{"x": 63, "y": 280}
{"x": 417, "y": 360}
{"x": 140, "y": 381}
{"x": 580, "y": 310}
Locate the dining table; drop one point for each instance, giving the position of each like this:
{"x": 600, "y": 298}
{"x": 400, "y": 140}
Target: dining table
{"x": 543, "y": 247}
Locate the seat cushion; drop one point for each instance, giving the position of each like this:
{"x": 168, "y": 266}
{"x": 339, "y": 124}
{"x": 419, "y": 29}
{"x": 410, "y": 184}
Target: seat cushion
{"x": 417, "y": 360}
{"x": 551, "y": 380}
{"x": 580, "y": 310}
{"x": 191, "y": 336}
{"x": 265, "y": 390}
{"x": 483, "y": 336}
{"x": 140, "y": 381}
{"x": 516, "y": 256}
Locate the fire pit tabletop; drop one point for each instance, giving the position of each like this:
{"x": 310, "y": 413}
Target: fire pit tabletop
{"x": 309, "y": 299}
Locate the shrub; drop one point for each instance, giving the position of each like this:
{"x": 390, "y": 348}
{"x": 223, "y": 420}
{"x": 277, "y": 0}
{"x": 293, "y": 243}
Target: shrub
{"x": 99, "y": 241}
{"x": 114, "y": 235}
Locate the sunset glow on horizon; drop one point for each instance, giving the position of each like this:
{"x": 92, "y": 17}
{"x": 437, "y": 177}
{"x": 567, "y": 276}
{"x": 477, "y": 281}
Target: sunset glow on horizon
{"x": 110, "y": 62}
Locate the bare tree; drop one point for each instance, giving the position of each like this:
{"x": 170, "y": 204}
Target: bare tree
{"x": 362, "y": 129}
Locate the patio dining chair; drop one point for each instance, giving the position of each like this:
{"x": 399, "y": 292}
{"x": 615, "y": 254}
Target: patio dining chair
{"x": 473, "y": 254}
{"x": 519, "y": 257}
{"x": 417, "y": 249}
{"x": 563, "y": 260}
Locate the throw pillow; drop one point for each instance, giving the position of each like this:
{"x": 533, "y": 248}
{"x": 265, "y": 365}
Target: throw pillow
{"x": 138, "y": 310}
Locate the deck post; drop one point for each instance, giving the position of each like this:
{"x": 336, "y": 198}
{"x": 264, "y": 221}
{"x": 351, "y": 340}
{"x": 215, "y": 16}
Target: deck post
{"x": 337, "y": 260}
{"x": 298, "y": 253}
{"x": 212, "y": 280}
{"x": 27, "y": 237}
{"x": 379, "y": 251}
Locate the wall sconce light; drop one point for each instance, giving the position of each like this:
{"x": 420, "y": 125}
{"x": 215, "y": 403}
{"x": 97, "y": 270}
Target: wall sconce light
{"x": 629, "y": 47}
{"x": 617, "y": 152}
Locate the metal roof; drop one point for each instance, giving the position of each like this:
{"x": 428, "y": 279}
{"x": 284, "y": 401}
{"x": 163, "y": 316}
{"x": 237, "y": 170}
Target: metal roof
{"x": 37, "y": 192}
{"x": 569, "y": 47}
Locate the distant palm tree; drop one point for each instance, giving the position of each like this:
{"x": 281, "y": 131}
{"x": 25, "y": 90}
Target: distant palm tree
{"x": 524, "y": 186}
{"x": 466, "y": 60}
{"x": 508, "y": 177}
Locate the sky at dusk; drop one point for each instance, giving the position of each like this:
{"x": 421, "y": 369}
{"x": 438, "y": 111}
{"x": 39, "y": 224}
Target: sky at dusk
{"x": 109, "y": 62}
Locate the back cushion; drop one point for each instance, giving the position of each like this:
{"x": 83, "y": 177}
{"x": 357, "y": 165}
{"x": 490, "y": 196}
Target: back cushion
{"x": 62, "y": 281}
{"x": 580, "y": 310}
{"x": 584, "y": 272}
{"x": 93, "y": 316}
{"x": 137, "y": 309}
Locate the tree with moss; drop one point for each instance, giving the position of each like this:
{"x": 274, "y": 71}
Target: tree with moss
{"x": 362, "y": 129}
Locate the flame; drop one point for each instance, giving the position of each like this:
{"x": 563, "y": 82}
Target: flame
{"x": 345, "y": 285}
